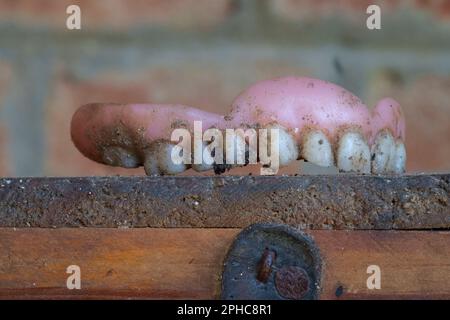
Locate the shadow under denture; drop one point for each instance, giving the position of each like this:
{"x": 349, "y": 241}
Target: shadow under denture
{"x": 315, "y": 120}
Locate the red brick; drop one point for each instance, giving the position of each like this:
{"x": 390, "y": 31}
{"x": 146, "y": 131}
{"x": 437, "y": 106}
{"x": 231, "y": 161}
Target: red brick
{"x": 62, "y": 157}
{"x": 118, "y": 13}
{"x": 440, "y": 8}
{"x": 426, "y": 103}
{"x": 298, "y": 10}
{"x": 6, "y": 167}
{"x": 197, "y": 84}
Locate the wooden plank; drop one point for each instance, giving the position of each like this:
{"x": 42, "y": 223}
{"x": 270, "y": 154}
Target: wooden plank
{"x": 338, "y": 202}
{"x": 187, "y": 263}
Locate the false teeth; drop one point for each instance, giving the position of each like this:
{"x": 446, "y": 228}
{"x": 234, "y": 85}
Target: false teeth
{"x": 120, "y": 157}
{"x": 353, "y": 153}
{"x": 158, "y": 160}
{"x": 317, "y": 149}
{"x": 398, "y": 162}
{"x": 383, "y": 152}
{"x": 373, "y": 142}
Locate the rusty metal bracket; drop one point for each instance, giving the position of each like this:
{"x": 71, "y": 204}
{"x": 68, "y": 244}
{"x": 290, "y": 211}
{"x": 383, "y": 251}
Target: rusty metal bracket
{"x": 308, "y": 202}
{"x": 272, "y": 261}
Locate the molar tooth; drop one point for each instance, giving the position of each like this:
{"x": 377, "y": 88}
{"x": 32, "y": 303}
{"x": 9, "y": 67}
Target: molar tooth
{"x": 202, "y": 166}
{"x": 353, "y": 153}
{"x": 120, "y": 157}
{"x": 158, "y": 160}
{"x": 397, "y": 163}
{"x": 317, "y": 149}
{"x": 383, "y": 150}
{"x": 239, "y": 150}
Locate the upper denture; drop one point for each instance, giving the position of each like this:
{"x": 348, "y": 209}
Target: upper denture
{"x": 326, "y": 123}
{"x": 305, "y": 102}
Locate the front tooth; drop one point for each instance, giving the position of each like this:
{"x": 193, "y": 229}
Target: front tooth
{"x": 397, "y": 163}
{"x": 120, "y": 157}
{"x": 383, "y": 150}
{"x": 287, "y": 146}
{"x": 317, "y": 149}
{"x": 353, "y": 153}
{"x": 158, "y": 160}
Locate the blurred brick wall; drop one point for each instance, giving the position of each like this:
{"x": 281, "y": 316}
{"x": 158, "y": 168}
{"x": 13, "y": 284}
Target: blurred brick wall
{"x": 203, "y": 53}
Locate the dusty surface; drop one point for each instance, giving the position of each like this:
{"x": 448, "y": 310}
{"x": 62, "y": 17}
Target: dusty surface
{"x": 308, "y": 202}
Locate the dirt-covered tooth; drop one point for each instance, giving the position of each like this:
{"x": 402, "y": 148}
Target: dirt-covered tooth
{"x": 234, "y": 152}
{"x": 353, "y": 153}
{"x": 199, "y": 149}
{"x": 317, "y": 149}
{"x": 397, "y": 163}
{"x": 120, "y": 157}
{"x": 158, "y": 160}
{"x": 287, "y": 146}
{"x": 236, "y": 147}
{"x": 383, "y": 150}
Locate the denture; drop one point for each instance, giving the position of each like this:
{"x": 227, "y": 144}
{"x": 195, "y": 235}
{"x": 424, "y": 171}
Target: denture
{"x": 318, "y": 121}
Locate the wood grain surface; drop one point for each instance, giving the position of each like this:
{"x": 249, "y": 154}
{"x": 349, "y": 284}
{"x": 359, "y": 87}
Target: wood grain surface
{"x": 162, "y": 263}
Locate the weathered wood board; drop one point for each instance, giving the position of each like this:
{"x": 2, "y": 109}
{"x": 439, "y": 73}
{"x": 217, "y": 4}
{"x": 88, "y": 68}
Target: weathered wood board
{"x": 347, "y": 201}
{"x": 163, "y": 263}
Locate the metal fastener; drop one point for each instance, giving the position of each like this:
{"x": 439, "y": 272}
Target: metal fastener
{"x": 292, "y": 282}
{"x": 272, "y": 261}
{"x": 265, "y": 265}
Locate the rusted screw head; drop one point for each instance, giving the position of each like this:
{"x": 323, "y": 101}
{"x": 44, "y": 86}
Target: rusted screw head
{"x": 272, "y": 261}
{"x": 292, "y": 282}
{"x": 265, "y": 265}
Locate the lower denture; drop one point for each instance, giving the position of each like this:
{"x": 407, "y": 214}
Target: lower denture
{"x": 318, "y": 121}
